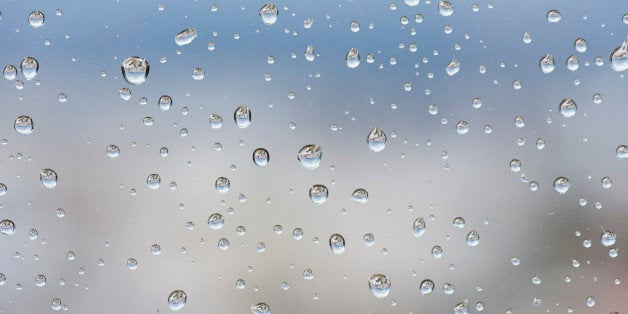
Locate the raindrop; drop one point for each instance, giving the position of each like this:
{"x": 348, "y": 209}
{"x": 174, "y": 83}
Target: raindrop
{"x": 177, "y": 299}
{"x": 9, "y": 72}
{"x": 337, "y": 243}
{"x": 376, "y": 139}
{"x": 310, "y": 156}
{"x": 418, "y": 227}
{"x": 619, "y": 57}
{"x": 153, "y": 181}
{"x": 445, "y": 8}
{"x": 527, "y": 38}
{"x": 48, "y": 178}
{"x": 223, "y": 244}
{"x": 411, "y": 3}
{"x": 185, "y": 37}
{"x": 3, "y": 189}
{"x": 36, "y": 19}
{"x": 297, "y": 234}
{"x": 215, "y": 221}
{"x": 426, "y": 287}
{"x": 353, "y": 58}
{"x": 261, "y": 157}
{"x": 215, "y": 121}
{"x": 242, "y": 116}
{"x": 573, "y": 63}
{"x": 461, "y": 308}
{"x": 222, "y": 185}
{"x": 379, "y": 285}
{"x": 568, "y": 108}
{"x": 7, "y": 227}
{"x": 165, "y": 102}
{"x": 308, "y": 274}
{"x": 368, "y": 239}
{"x": 56, "y": 304}
{"x": 360, "y": 196}
{"x": 547, "y": 63}
{"x": 29, "y": 67}
{"x": 124, "y": 93}
{"x": 553, "y": 16}
{"x": 135, "y": 70}
{"x": 581, "y": 45}
{"x": 453, "y": 67}
{"x": 515, "y": 165}
{"x": 260, "y": 308}
{"x": 355, "y": 26}
{"x": 198, "y": 74}
{"x": 113, "y": 151}
{"x": 607, "y": 182}
{"x": 269, "y": 13}
{"x": 23, "y": 125}
{"x": 473, "y": 238}
{"x": 131, "y": 263}
{"x": 459, "y": 222}
{"x": 318, "y": 194}
{"x": 561, "y": 185}
{"x": 437, "y": 251}
{"x": 621, "y": 151}
{"x": 590, "y": 301}
{"x": 309, "y": 53}
{"x": 462, "y": 127}
{"x": 608, "y": 238}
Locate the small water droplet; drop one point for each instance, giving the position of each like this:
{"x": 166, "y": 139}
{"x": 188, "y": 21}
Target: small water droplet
{"x": 222, "y": 185}
{"x": 318, "y": 194}
{"x": 473, "y": 238}
{"x": 153, "y": 181}
{"x": 48, "y": 178}
{"x": 418, "y": 227}
{"x": 580, "y": 44}
{"x": 260, "y": 308}
{"x": 553, "y": 16}
{"x": 9, "y": 72}
{"x": 215, "y": 221}
{"x": 261, "y": 157}
{"x": 368, "y": 239}
{"x": 561, "y": 185}
{"x": 445, "y": 8}
{"x": 462, "y": 127}
{"x": 573, "y": 63}
{"x": 355, "y": 26}
{"x": 437, "y": 251}
{"x": 268, "y": 13}
{"x": 242, "y": 117}
{"x": 177, "y": 299}
{"x": 360, "y": 196}
{"x": 527, "y": 38}
{"x": 36, "y": 19}
{"x": 608, "y": 238}
{"x": 376, "y": 140}
{"x": 547, "y": 63}
{"x": 459, "y": 222}
{"x": 337, "y": 243}
{"x": 568, "y": 108}
{"x": 453, "y": 67}
{"x": 619, "y": 57}
{"x": 310, "y": 156}
{"x": 215, "y": 121}
{"x": 29, "y": 67}
{"x": 353, "y": 58}
{"x": 426, "y": 286}
{"x": 23, "y": 125}
{"x": 7, "y": 227}
{"x": 185, "y": 37}
{"x": 461, "y": 308}
{"x": 379, "y": 285}
{"x": 309, "y": 53}
{"x": 165, "y": 102}
{"x": 135, "y": 70}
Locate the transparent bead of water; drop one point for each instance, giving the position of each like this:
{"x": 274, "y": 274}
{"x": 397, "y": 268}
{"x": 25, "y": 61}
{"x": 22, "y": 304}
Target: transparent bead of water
{"x": 297, "y": 233}
{"x": 515, "y": 165}
{"x": 337, "y": 243}
{"x": 462, "y": 127}
{"x": 606, "y": 182}
{"x": 418, "y": 227}
{"x": 7, "y": 227}
{"x": 131, "y": 263}
{"x": 36, "y": 19}
{"x": 153, "y": 181}
{"x": 437, "y": 251}
{"x": 223, "y": 244}
{"x": 309, "y": 53}
{"x": 135, "y": 70}
{"x": 165, "y": 102}
{"x": 453, "y": 67}
{"x": 619, "y": 57}
{"x": 222, "y": 185}
{"x": 527, "y": 38}
{"x": 48, "y": 178}
{"x": 561, "y": 185}
{"x": 567, "y": 108}
{"x": 185, "y": 37}
{"x": 580, "y": 44}
{"x": 445, "y": 8}
{"x": 9, "y": 72}
{"x": 354, "y": 26}
{"x": 590, "y": 301}
{"x": 215, "y": 121}
{"x": 608, "y": 238}
{"x": 352, "y": 58}
{"x": 198, "y": 74}
{"x": 177, "y": 299}
{"x": 426, "y": 287}
{"x": 473, "y": 238}
{"x": 360, "y": 196}
{"x": 260, "y": 308}
{"x": 553, "y": 16}
{"x": 242, "y": 117}
{"x": 310, "y": 156}
{"x": 379, "y": 285}
{"x": 376, "y": 140}
{"x": 23, "y": 125}
{"x": 269, "y": 12}
{"x": 261, "y": 157}
{"x": 29, "y": 67}
{"x": 318, "y": 194}
{"x": 461, "y": 308}
{"x": 573, "y": 63}
{"x": 547, "y": 63}
{"x": 368, "y": 239}
{"x": 215, "y": 221}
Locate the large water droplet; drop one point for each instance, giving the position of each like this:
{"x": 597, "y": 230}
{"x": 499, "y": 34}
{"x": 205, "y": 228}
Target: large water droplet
{"x": 459, "y": 222}
{"x": 29, "y": 67}
{"x": 426, "y": 287}
{"x": 445, "y": 8}
{"x": 619, "y": 57}
{"x": 561, "y": 185}
{"x": 23, "y": 125}
{"x": 376, "y": 139}
{"x": 515, "y": 165}
{"x": 437, "y": 251}
{"x": 261, "y": 157}
{"x": 353, "y": 58}
{"x": 461, "y": 308}
{"x": 553, "y": 16}
{"x": 7, "y": 226}
{"x": 567, "y": 108}
{"x": 462, "y": 127}
{"x": 36, "y": 19}
{"x": 573, "y": 63}
{"x": 242, "y": 116}
{"x": 360, "y": 196}
{"x": 113, "y": 151}
{"x": 418, "y": 227}
{"x": 215, "y": 221}
{"x": 222, "y": 185}
{"x": 135, "y": 70}
{"x": 547, "y": 63}
{"x": 48, "y": 178}
{"x": 309, "y": 53}
{"x": 379, "y": 285}
{"x": 153, "y": 181}
{"x": 310, "y": 156}
{"x": 411, "y": 3}
{"x": 260, "y": 308}
{"x": 215, "y": 121}
{"x": 608, "y": 238}
{"x": 318, "y": 194}
{"x": 9, "y": 72}
{"x": 453, "y": 67}
{"x": 177, "y": 299}
{"x": 165, "y": 102}
{"x": 269, "y": 13}
{"x": 473, "y": 238}
{"x": 355, "y": 26}
{"x": 621, "y": 151}
{"x": 337, "y": 243}
{"x": 580, "y": 44}
{"x": 185, "y": 37}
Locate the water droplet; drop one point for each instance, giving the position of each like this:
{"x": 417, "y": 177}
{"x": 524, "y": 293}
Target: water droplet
{"x": 131, "y": 263}
{"x": 242, "y": 116}
{"x": 155, "y": 249}
{"x": 411, "y": 3}
{"x": 608, "y": 238}
{"x": 568, "y": 108}
{"x": 606, "y": 182}
{"x": 590, "y": 301}
{"x": 223, "y": 244}
{"x": 581, "y": 45}
{"x": 453, "y": 67}
{"x": 536, "y": 279}
{"x": 23, "y": 125}
{"x": 56, "y": 304}
{"x": 368, "y": 239}
{"x": 337, "y": 243}
{"x": 113, "y": 151}
{"x": 426, "y": 287}
{"x": 7, "y": 227}
{"x": 353, "y": 58}
{"x": 360, "y": 196}
{"x": 261, "y": 157}
{"x": 462, "y": 127}
{"x": 215, "y": 221}
{"x": 515, "y": 165}
{"x": 561, "y": 185}
{"x": 9, "y": 72}
{"x": 310, "y": 156}
{"x": 376, "y": 139}
{"x": 621, "y": 151}
{"x": 260, "y": 308}
{"x": 437, "y": 251}
{"x": 297, "y": 234}
{"x": 198, "y": 74}
{"x": 459, "y": 222}
{"x": 547, "y": 63}
{"x": 309, "y": 53}
{"x": 473, "y": 238}
{"x": 461, "y": 308}
{"x": 619, "y": 57}
{"x": 418, "y": 227}
{"x": 379, "y": 285}
{"x": 29, "y": 67}
{"x": 445, "y": 8}
{"x": 185, "y": 37}
{"x": 527, "y": 38}
{"x": 165, "y": 102}
{"x": 215, "y": 121}
{"x": 355, "y": 26}
{"x": 48, "y": 178}
{"x": 177, "y": 299}
{"x": 573, "y": 63}
{"x": 222, "y": 185}
{"x": 124, "y": 93}
{"x": 553, "y": 16}
{"x": 515, "y": 261}
{"x": 269, "y": 13}
{"x": 135, "y": 70}
{"x": 36, "y": 19}
{"x": 318, "y": 194}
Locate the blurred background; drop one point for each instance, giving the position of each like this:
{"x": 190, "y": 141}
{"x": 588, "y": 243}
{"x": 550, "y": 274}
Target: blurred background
{"x": 538, "y": 250}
